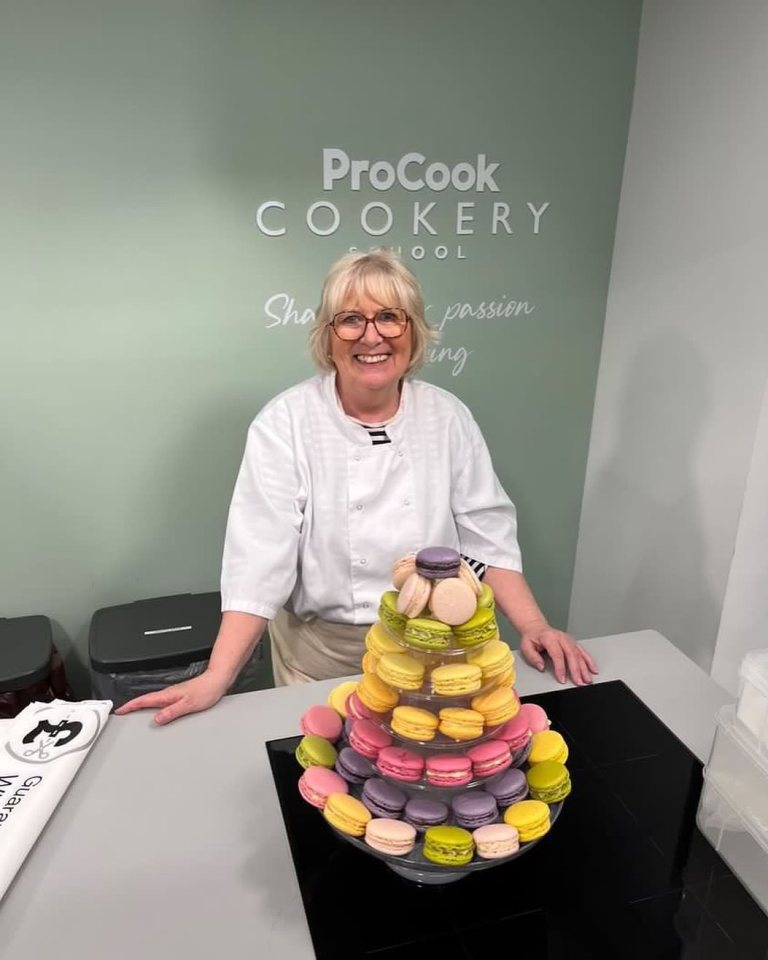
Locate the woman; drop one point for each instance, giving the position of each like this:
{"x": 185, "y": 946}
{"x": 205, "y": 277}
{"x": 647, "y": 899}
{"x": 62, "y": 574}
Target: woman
{"x": 342, "y": 475}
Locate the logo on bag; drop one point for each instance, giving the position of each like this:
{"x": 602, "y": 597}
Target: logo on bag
{"x": 54, "y": 732}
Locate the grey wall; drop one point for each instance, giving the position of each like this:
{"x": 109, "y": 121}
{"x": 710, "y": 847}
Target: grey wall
{"x": 744, "y": 621}
{"x": 685, "y": 348}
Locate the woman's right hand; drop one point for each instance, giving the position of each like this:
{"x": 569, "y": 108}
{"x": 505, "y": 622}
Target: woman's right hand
{"x": 191, "y": 696}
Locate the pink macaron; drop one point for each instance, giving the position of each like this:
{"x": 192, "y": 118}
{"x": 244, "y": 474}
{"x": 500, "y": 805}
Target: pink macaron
{"x": 449, "y": 770}
{"x": 535, "y": 716}
{"x": 489, "y": 758}
{"x": 316, "y": 784}
{"x": 400, "y": 764}
{"x": 414, "y": 595}
{"x": 452, "y": 601}
{"x": 357, "y": 709}
{"x": 321, "y": 721}
{"x": 496, "y": 840}
{"x": 368, "y": 739}
{"x": 404, "y": 568}
{"x": 515, "y": 733}
{"x": 392, "y": 837}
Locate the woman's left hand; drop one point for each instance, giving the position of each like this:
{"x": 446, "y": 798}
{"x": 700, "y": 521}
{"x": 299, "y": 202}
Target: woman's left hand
{"x": 567, "y": 655}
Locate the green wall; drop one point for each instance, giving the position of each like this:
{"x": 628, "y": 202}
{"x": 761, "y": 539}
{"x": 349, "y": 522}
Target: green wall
{"x": 140, "y": 139}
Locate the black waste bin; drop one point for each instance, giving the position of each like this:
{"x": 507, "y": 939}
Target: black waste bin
{"x": 146, "y": 645}
{"x": 30, "y": 666}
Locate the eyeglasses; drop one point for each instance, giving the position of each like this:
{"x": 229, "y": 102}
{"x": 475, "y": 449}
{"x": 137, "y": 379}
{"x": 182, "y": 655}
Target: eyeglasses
{"x": 390, "y": 322}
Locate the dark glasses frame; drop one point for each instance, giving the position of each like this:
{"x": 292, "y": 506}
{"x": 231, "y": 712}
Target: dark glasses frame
{"x": 373, "y": 320}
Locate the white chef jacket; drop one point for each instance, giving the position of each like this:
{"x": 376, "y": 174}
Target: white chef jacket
{"x": 319, "y": 514}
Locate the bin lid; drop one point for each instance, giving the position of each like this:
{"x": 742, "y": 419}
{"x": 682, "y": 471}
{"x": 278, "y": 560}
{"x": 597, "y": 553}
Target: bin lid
{"x": 154, "y": 633}
{"x": 26, "y": 645}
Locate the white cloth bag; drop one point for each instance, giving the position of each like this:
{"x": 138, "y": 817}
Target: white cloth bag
{"x": 42, "y": 750}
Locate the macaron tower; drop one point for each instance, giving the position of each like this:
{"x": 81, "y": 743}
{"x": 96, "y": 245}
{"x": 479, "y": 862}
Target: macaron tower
{"x": 435, "y": 747}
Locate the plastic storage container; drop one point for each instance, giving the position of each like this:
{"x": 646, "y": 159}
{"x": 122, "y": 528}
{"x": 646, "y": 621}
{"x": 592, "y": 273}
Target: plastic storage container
{"x": 752, "y": 705}
{"x": 146, "y": 645}
{"x": 733, "y": 809}
{"x": 738, "y": 770}
{"x": 738, "y": 841}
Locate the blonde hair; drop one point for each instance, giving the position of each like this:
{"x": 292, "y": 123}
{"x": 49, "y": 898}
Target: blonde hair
{"x": 382, "y": 276}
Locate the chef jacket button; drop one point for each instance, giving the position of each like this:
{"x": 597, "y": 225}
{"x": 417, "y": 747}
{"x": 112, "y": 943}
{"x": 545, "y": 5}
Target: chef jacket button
{"x": 407, "y": 503}
{"x": 359, "y": 506}
{"x": 401, "y": 453}
{"x": 363, "y": 561}
{"x": 365, "y": 604}
{"x": 357, "y": 456}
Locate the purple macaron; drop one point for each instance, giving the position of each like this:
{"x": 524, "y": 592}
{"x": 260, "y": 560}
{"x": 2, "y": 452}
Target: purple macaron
{"x": 508, "y": 788}
{"x": 384, "y": 799}
{"x": 422, "y": 813}
{"x": 475, "y": 809}
{"x": 353, "y": 766}
{"x": 438, "y": 563}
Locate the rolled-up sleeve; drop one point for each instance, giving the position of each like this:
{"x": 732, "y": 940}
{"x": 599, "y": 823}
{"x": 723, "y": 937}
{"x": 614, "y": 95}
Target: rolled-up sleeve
{"x": 485, "y": 517}
{"x": 259, "y": 565}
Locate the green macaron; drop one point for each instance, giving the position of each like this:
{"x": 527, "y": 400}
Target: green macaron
{"x": 549, "y": 781}
{"x": 480, "y": 628}
{"x": 448, "y": 846}
{"x": 314, "y": 751}
{"x": 425, "y": 634}
{"x": 486, "y": 599}
{"x": 389, "y": 615}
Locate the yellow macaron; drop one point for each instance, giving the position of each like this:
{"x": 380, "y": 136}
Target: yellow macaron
{"x": 495, "y": 659}
{"x": 377, "y": 695}
{"x": 414, "y": 723}
{"x": 457, "y": 723}
{"x": 346, "y": 814}
{"x": 548, "y": 745}
{"x": 379, "y": 641}
{"x": 497, "y": 706}
{"x": 456, "y": 679}
{"x": 370, "y": 662}
{"x": 529, "y": 817}
{"x": 337, "y": 698}
{"x": 401, "y": 671}
{"x": 506, "y": 679}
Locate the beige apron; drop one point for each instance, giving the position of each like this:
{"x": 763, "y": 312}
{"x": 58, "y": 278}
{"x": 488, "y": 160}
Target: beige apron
{"x": 314, "y": 650}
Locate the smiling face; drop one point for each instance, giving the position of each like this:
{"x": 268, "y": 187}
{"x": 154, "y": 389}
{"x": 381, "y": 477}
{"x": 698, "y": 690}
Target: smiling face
{"x": 372, "y": 367}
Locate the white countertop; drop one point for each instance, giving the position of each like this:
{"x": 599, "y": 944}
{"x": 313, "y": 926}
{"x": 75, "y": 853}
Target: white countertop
{"x": 170, "y": 842}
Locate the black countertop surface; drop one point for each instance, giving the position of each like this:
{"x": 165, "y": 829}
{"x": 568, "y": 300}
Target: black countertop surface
{"x": 624, "y": 872}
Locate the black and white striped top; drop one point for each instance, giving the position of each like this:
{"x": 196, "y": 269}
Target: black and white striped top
{"x": 477, "y": 566}
{"x": 378, "y": 435}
